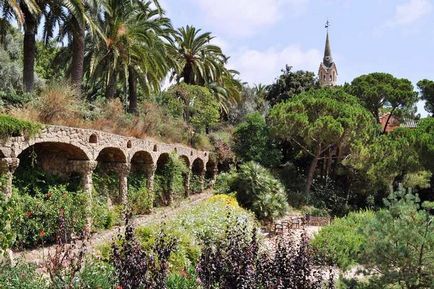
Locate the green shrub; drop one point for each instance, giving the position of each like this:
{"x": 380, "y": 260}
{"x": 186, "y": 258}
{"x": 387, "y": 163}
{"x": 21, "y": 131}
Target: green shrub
{"x": 36, "y": 219}
{"x": 21, "y": 276}
{"x": 253, "y": 142}
{"x": 107, "y": 185}
{"x": 140, "y": 199}
{"x": 399, "y": 244}
{"x": 341, "y": 242}
{"x": 256, "y": 189}
{"x": 195, "y": 184}
{"x": 184, "y": 280}
{"x": 225, "y": 182}
{"x": 207, "y": 220}
{"x": 104, "y": 217}
{"x": 169, "y": 181}
{"x": 96, "y": 275}
{"x": 11, "y": 127}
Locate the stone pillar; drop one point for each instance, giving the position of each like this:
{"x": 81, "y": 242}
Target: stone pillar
{"x": 123, "y": 170}
{"x": 202, "y": 180}
{"x": 7, "y": 169}
{"x": 214, "y": 176}
{"x": 150, "y": 175}
{"x": 187, "y": 178}
{"x": 86, "y": 169}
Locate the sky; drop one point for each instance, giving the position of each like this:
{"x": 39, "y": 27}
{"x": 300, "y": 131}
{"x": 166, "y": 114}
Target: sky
{"x": 262, "y": 36}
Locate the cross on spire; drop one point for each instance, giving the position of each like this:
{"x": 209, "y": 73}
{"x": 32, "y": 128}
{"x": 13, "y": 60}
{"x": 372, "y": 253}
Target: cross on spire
{"x": 327, "y": 25}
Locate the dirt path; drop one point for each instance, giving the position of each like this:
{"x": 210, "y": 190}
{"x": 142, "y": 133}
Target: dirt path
{"x": 37, "y": 256}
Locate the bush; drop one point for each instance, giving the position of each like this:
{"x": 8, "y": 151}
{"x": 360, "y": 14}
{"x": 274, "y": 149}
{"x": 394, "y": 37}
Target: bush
{"x": 341, "y": 242}
{"x": 140, "y": 199}
{"x": 256, "y": 189}
{"x": 236, "y": 262}
{"x": 183, "y": 280}
{"x": 137, "y": 268}
{"x": 253, "y": 142}
{"x": 205, "y": 221}
{"x": 169, "y": 181}
{"x": 12, "y": 127}
{"x": 21, "y": 276}
{"x": 36, "y": 218}
{"x": 399, "y": 244}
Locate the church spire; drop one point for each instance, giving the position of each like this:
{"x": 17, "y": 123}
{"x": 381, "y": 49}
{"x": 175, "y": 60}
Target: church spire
{"x": 328, "y": 72}
{"x": 328, "y": 60}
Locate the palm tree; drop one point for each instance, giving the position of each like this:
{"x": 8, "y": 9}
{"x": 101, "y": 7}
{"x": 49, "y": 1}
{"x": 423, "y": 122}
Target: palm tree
{"x": 197, "y": 61}
{"x": 133, "y": 50}
{"x": 72, "y": 17}
{"x": 26, "y": 13}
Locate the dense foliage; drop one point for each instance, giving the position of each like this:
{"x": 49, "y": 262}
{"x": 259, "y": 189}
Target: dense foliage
{"x": 341, "y": 242}
{"x": 253, "y": 142}
{"x": 238, "y": 262}
{"x": 10, "y": 127}
{"x": 256, "y": 189}
{"x": 394, "y": 244}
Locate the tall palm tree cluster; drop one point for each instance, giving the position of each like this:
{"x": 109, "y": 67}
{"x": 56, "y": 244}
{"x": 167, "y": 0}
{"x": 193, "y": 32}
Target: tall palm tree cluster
{"x": 119, "y": 47}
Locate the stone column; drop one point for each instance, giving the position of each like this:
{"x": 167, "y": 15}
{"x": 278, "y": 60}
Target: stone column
{"x": 187, "y": 178}
{"x": 123, "y": 170}
{"x": 7, "y": 169}
{"x": 202, "y": 180}
{"x": 214, "y": 176}
{"x": 150, "y": 175}
{"x": 86, "y": 169}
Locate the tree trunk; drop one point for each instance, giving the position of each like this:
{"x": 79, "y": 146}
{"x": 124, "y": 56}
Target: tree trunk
{"x": 132, "y": 91}
{"x": 77, "y": 55}
{"x": 110, "y": 91}
{"x": 388, "y": 119}
{"x": 188, "y": 79}
{"x": 29, "y": 49}
{"x": 312, "y": 169}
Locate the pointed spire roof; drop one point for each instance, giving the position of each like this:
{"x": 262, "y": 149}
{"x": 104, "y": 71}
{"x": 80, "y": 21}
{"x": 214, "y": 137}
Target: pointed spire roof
{"x": 328, "y": 60}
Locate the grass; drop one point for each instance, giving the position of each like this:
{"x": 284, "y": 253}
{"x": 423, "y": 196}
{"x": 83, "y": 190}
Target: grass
{"x": 13, "y": 127}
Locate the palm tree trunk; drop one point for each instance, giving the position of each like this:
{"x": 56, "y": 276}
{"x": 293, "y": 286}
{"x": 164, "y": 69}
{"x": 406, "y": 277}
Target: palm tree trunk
{"x": 132, "y": 91}
{"x": 188, "y": 79}
{"x": 29, "y": 49}
{"x": 77, "y": 55}
{"x": 110, "y": 91}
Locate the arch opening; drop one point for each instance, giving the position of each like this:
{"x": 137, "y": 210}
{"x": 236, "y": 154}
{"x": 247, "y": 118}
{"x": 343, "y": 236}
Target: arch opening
{"x": 106, "y": 177}
{"x": 93, "y": 139}
{"x": 197, "y": 178}
{"x": 47, "y": 164}
{"x": 211, "y": 173}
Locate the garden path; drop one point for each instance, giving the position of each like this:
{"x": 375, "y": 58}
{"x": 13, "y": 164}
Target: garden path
{"x": 37, "y": 256}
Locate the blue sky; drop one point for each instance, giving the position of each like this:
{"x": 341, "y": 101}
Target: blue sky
{"x": 261, "y": 36}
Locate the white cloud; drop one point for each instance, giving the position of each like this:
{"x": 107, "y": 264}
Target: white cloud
{"x": 245, "y": 17}
{"x": 410, "y": 12}
{"x": 264, "y": 66}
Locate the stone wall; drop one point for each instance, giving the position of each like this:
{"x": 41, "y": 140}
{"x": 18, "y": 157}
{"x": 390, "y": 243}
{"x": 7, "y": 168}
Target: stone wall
{"x": 64, "y": 149}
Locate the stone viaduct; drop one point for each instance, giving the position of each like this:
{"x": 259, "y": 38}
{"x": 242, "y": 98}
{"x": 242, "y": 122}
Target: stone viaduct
{"x": 66, "y": 150}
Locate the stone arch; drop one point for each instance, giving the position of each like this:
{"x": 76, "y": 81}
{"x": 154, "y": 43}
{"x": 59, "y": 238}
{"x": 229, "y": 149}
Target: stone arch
{"x": 129, "y": 144}
{"x": 111, "y": 175}
{"x": 198, "y": 166}
{"x": 111, "y": 155}
{"x": 186, "y": 160}
{"x": 211, "y": 172}
{"x": 142, "y": 168}
{"x": 54, "y": 159}
{"x": 163, "y": 159}
{"x": 198, "y": 177}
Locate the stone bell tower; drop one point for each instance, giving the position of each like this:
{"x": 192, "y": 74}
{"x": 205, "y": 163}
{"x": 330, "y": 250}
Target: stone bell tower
{"x": 327, "y": 73}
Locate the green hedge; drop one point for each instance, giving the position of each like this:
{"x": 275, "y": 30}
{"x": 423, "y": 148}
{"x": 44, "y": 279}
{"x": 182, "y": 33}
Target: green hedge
{"x": 12, "y": 127}
{"x": 341, "y": 242}
{"x": 36, "y": 219}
